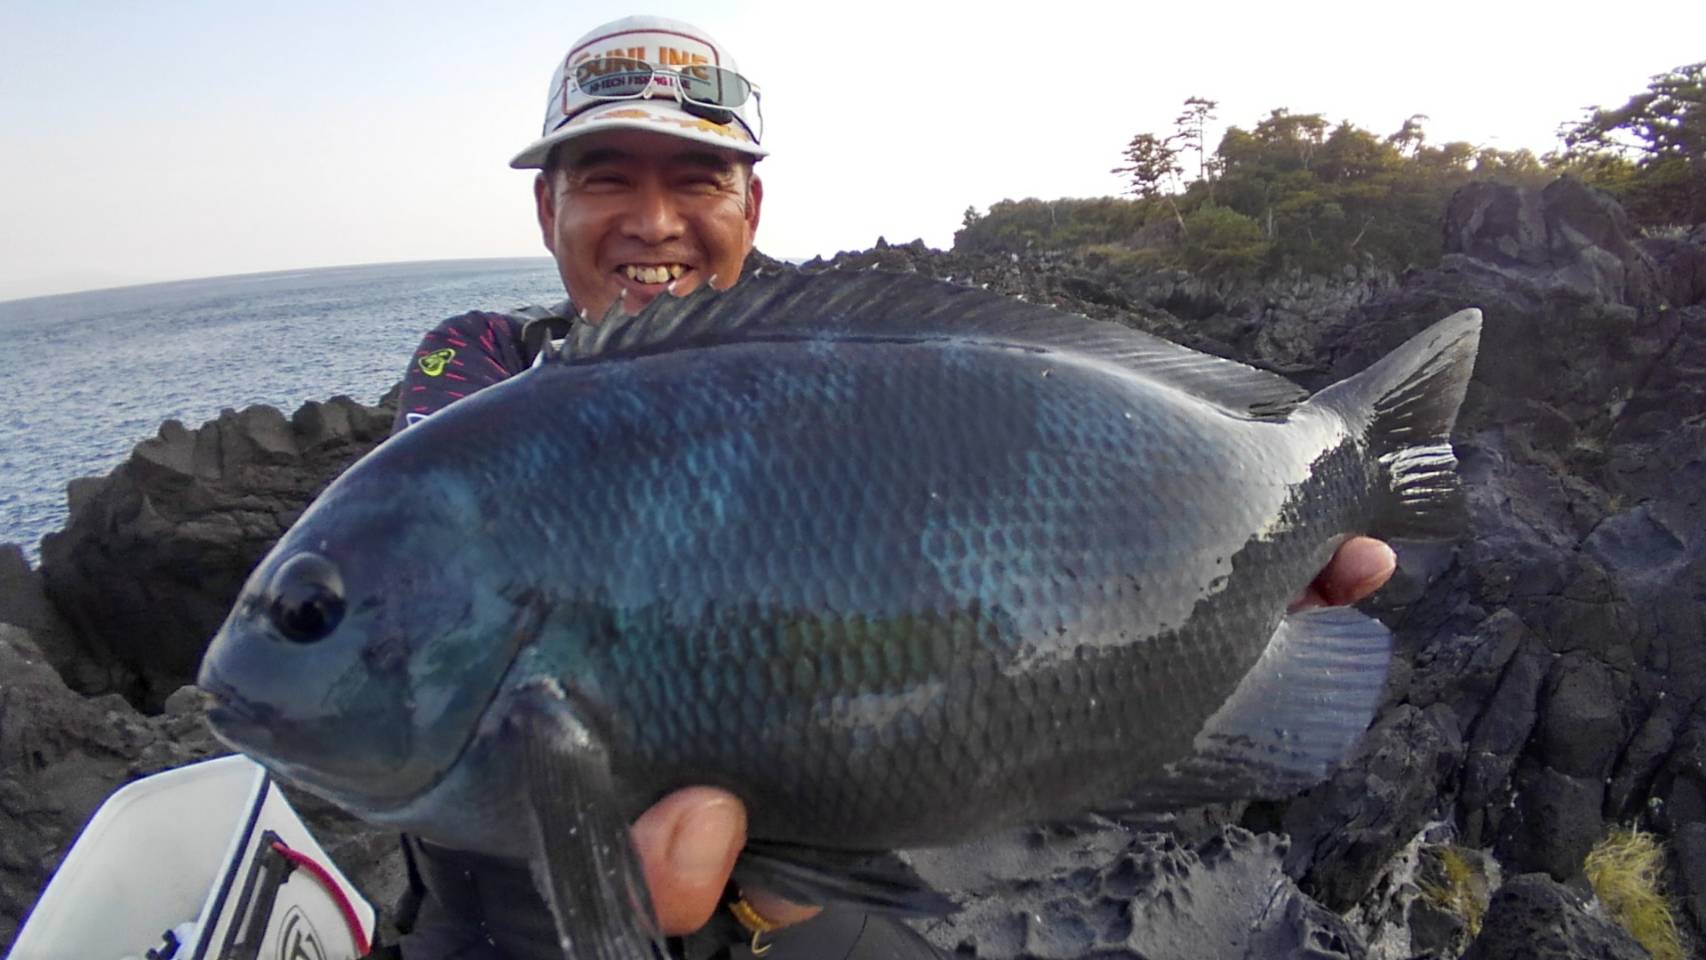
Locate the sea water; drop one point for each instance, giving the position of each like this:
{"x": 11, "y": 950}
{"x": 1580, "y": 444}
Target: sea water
{"x": 90, "y": 375}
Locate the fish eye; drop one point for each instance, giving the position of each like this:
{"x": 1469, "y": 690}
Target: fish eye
{"x": 305, "y": 598}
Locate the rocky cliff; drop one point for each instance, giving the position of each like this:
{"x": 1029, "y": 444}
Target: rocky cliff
{"x": 1549, "y": 684}
{"x": 153, "y": 553}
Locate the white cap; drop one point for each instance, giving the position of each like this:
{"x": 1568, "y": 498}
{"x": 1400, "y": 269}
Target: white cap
{"x": 665, "y": 43}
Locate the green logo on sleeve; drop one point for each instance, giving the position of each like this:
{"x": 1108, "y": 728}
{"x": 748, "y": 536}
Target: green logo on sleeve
{"x": 433, "y": 363}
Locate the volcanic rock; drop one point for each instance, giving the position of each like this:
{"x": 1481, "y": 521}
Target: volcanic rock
{"x": 61, "y": 754}
{"x": 154, "y": 553}
{"x": 1568, "y": 235}
{"x": 24, "y": 604}
{"x": 1681, "y": 261}
{"x": 1533, "y": 917}
{"x": 1345, "y": 831}
{"x": 1111, "y": 893}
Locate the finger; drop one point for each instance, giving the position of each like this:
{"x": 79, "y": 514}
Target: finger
{"x": 688, "y": 842}
{"x": 1311, "y": 598}
{"x": 1361, "y": 566}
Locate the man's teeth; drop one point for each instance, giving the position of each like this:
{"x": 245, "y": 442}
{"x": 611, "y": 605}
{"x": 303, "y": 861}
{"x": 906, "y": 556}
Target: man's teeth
{"x": 660, "y": 274}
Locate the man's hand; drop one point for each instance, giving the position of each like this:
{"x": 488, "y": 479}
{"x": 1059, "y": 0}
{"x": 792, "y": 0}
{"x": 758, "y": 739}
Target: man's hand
{"x": 689, "y": 840}
{"x": 1361, "y": 566}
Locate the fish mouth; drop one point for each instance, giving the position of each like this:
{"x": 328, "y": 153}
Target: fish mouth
{"x": 238, "y": 723}
{"x": 260, "y": 731}
{"x": 250, "y": 729}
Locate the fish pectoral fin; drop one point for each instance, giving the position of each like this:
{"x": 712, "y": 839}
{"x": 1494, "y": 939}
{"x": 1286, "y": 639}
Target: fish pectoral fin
{"x": 584, "y": 861}
{"x": 878, "y": 882}
{"x": 1293, "y": 717}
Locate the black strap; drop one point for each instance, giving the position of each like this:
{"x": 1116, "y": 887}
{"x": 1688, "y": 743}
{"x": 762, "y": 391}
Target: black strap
{"x": 409, "y": 904}
{"x": 539, "y": 324}
{"x": 840, "y": 932}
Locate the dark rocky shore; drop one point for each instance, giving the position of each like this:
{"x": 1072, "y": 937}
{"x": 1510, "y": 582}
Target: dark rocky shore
{"x": 1549, "y": 685}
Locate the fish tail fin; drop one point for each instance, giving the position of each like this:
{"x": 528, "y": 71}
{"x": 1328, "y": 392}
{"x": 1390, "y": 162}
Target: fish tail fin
{"x": 1406, "y": 405}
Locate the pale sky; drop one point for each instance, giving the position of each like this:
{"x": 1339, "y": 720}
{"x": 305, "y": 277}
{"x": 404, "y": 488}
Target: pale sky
{"x": 166, "y": 140}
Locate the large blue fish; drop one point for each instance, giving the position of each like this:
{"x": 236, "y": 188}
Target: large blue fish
{"x": 896, "y": 561}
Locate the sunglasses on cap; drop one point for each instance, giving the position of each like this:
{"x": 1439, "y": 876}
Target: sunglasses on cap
{"x": 705, "y": 91}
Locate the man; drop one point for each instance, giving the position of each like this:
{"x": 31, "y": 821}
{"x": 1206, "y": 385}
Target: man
{"x": 646, "y": 184}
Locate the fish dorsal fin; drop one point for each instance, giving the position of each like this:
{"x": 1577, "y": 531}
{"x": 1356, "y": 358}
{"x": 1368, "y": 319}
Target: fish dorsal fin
{"x": 877, "y": 305}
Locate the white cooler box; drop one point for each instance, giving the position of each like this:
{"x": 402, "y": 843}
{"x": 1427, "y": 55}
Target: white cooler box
{"x": 205, "y": 862}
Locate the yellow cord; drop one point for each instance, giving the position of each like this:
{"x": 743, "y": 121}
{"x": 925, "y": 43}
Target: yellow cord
{"x": 754, "y": 922}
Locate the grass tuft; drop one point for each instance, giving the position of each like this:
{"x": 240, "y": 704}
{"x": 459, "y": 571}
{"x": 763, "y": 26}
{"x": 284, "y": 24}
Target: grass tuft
{"x": 1461, "y": 891}
{"x": 1625, "y": 870}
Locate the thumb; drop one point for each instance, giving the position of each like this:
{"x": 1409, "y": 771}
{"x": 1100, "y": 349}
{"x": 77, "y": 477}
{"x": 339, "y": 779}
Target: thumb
{"x": 687, "y": 843}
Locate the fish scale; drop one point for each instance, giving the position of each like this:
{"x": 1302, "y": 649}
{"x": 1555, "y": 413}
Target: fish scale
{"x": 896, "y": 562}
{"x": 1070, "y": 496}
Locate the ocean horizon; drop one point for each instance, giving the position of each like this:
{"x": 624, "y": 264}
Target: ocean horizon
{"x": 98, "y": 371}
{"x": 128, "y": 286}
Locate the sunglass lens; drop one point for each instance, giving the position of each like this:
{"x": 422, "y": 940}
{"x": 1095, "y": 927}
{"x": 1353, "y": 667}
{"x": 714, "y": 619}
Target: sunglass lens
{"x": 714, "y": 86}
{"x": 613, "y": 77}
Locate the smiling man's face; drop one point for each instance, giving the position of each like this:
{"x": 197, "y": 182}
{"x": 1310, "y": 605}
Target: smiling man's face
{"x": 631, "y": 211}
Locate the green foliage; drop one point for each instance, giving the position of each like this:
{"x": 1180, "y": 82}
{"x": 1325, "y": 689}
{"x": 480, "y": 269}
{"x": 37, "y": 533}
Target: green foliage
{"x": 1650, "y": 153}
{"x": 1125, "y": 259}
{"x": 1516, "y": 165}
{"x": 1295, "y": 192}
{"x": 1624, "y": 869}
{"x": 1410, "y": 136}
{"x": 1220, "y": 240}
{"x": 1192, "y": 126}
{"x": 1151, "y": 163}
{"x": 1326, "y": 198}
{"x": 1292, "y": 192}
{"x": 1017, "y": 226}
{"x": 1667, "y": 120}
{"x": 1352, "y": 154}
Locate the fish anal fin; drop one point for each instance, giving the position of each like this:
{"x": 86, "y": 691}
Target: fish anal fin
{"x": 1294, "y": 716}
{"x": 584, "y": 860}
